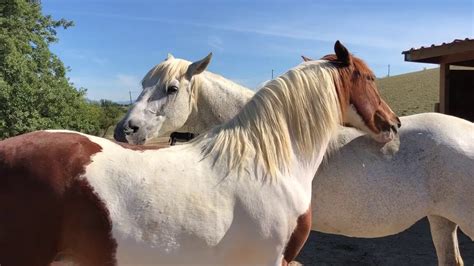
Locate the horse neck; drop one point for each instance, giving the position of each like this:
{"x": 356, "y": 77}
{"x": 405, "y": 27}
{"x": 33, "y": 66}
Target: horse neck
{"x": 282, "y": 128}
{"x": 217, "y": 101}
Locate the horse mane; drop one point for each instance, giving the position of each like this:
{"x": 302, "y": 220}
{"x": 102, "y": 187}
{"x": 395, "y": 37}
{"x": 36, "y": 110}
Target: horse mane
{"x": 301, "y": 105}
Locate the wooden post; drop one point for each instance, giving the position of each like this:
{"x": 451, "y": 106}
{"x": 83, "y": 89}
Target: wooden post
{"x": 444, "y": 88}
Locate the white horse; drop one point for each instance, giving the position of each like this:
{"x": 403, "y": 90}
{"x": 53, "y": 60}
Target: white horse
{"x": 233, "y": 196}
{"x": 215, "y": 101}
{"x": 369, "y": 190}
{"x": 383, "y": 193}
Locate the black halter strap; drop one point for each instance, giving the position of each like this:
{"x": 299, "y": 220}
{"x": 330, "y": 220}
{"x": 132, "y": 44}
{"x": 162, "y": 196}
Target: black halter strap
{"x": 181, "y": 136}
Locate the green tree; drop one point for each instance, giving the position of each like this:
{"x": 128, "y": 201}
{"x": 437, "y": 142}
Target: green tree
{"x": 34, "y": 91}
{"x": 111, "y": 113}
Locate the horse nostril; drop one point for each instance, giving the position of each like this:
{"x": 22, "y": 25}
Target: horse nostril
{"x": 131, "y": 128}
{"x": 394, "y": 128}
{"x": 399, "y": 124}
{"x": 135, "y": 129}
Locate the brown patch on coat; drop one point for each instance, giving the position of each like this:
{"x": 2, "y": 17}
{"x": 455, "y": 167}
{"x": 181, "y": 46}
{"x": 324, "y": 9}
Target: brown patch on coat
{"x": 298, "y": 237}
{"x": 46, "y": 210}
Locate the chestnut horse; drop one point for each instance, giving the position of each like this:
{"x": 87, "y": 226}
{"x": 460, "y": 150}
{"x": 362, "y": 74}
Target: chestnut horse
{"x": 235, "y": 195}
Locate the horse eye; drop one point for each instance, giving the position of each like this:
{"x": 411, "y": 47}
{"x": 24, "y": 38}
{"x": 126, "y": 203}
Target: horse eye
{"x": 172, "y": 90}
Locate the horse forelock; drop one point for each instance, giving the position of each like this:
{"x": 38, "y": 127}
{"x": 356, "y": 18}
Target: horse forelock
{"x": 166, "y": 70}
{"x": 281, "y": 120}
{"x": 170, "y": 69}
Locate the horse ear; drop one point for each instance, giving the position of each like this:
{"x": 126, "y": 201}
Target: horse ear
{"x": 169, "y": 56}
{"x": 342, "y": 53}
{"x": 198, "y": 66}
{"x": 306, "y": 59}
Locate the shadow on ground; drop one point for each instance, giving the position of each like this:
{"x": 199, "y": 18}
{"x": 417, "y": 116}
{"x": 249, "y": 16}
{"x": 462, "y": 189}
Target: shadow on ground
{"x": 412, "y": 247}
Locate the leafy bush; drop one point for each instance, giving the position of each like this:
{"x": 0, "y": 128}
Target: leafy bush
{"x": 34, "y": 91}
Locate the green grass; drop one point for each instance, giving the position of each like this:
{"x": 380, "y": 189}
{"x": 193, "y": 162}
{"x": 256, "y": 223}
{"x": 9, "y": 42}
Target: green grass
{"x": 411, "y": 93}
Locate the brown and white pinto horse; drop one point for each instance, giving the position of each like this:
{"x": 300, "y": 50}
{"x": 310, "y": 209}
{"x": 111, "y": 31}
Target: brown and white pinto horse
{"x": 233, "y": 196}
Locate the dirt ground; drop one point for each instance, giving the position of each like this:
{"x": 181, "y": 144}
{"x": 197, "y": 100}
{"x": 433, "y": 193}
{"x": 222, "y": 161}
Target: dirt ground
{"x": 411, "y": 247}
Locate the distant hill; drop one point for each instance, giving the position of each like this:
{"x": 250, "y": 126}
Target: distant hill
{"x": 411, "y": 93}
{"x": 123, "y": 103}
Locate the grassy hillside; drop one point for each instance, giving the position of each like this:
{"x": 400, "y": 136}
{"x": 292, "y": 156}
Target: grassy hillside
{"x": 411, "y": 93}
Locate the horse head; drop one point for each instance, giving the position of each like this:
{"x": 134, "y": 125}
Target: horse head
{"x": 356, "y": 88}
{"x": 167, "y": 87}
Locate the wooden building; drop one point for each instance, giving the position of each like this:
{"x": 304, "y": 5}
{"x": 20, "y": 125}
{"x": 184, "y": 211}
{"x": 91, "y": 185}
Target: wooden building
{"x": 456, "y": 60}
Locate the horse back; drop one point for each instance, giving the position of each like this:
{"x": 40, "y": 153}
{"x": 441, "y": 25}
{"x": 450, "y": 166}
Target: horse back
{"x": 53, "y": 159}
{"x": 44, "y": 203}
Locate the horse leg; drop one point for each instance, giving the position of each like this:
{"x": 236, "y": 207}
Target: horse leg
{"x": 445, "y": 240}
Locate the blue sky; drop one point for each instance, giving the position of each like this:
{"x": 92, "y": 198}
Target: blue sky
{"x": 114, "y": 43}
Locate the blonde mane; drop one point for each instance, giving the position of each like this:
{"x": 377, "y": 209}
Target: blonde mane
{"x": 301, "y": 105}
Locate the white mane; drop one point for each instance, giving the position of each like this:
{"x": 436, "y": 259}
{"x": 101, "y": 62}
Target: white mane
{"x": 301, "y": 105}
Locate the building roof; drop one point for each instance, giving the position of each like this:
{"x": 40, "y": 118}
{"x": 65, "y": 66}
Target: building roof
{"x": 457, "y": 52}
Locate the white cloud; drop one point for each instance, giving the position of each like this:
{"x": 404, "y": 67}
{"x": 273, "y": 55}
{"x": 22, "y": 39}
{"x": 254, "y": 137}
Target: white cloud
{"x": 383, "y": 30}
{"x": 378, "y": 37}
{"x": 99, "y": 60}
{"x": 216, "y": 43}
{"x": 114, "y": 88}
{"x": 83, "y": 55}
{"x": 127, "y": 81}
{"x": 378, "y": 31}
